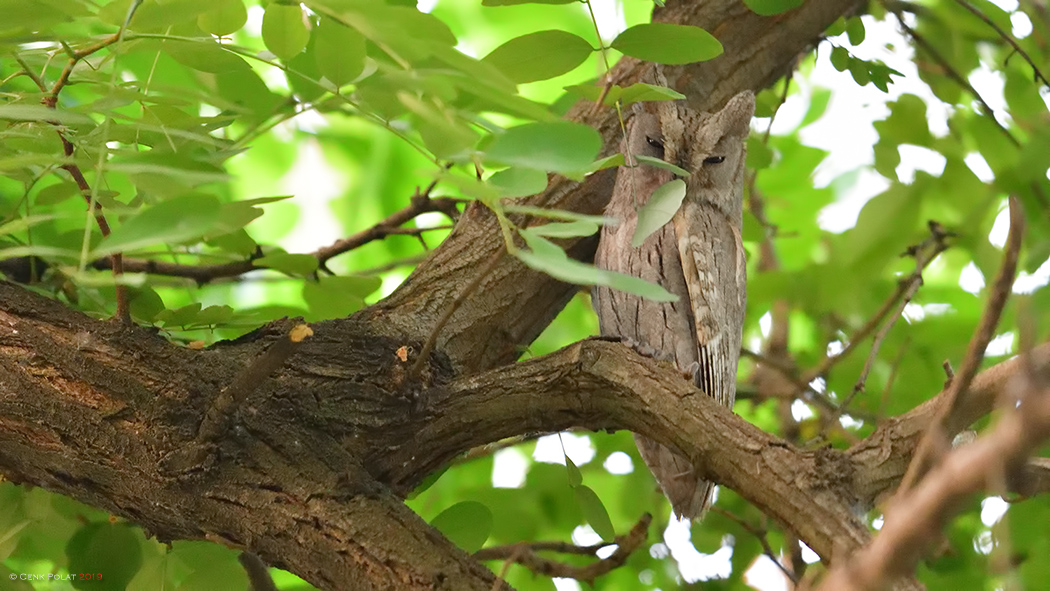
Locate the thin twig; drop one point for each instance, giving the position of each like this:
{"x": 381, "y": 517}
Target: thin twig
{"x": 482, "y": 273}
{"x": 760, "y": 535}
{"x": 894, "y": 367}
{"x": 1005, "y": 37}
{"x": 952, "y": 73}
{"x": 942, "y": 428}
{"x": 203, "y": 274}
{"x": 50, "y": 100}
{"x": 915, "y": 521}
{"x": 924, "y": 253}
{"x": 525, "y": 554}
{"x": 914, "y": 282}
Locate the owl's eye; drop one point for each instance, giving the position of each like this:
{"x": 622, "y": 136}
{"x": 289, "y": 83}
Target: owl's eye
{"x": 714, "y": 160}
{"x": 656, "y": 144}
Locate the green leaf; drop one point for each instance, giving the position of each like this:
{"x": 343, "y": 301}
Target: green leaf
{"x": 205, "y": 55}
{"x": 662, "y": 164}
{"x": 284, "y": 31}
{"x": 514, "y": 2}
{"x": 560, "y": 214}
{"x": 441, "y": 130}
{"x": 109, "y": 549}
{"x": 213, "y": 315}
{"x": 859, "y": 70}
{"x": 291, "y": 264}
{"x": 818, "y": 105}
{"x": 594, "y": 512}
{"x": 668, "y": 44}
{"x": 145, "y": 303}
{"x": 772, "y": 7}
{"x": 641, "y": 91}
{"x": 23, "y": 223}
{"x": 539, "y": 56}
{"x": 840, "y": 58}
{"x": 337, "y": 296}
{"x": 179, "y": 316}
{"x": 20, "y": 112}
{"x": 575, "y": 477}
{"x": 565, "y": 230}
{"x": 855, "y": 30}
{"x": 659, "y": 210}
{"x": 519, "y": 182}
{"x": 557, "y": 146}
{"x": 836, "y": 28}
{"x": 758, "y": 153}
{"x": 173, "y": 221}
{"x": 154, "y": 166}
{"x": 607, "y": 162}
{"x": 235, "y": 216}
{"x": 340, "y": 52}
{"x": 547, "y": 257}
{"x": 466, "y": 524}
{"x": 225, "y": 19}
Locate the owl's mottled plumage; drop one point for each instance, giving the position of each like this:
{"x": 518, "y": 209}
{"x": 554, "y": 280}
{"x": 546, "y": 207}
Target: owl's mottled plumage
{"x": 698, "y": 256}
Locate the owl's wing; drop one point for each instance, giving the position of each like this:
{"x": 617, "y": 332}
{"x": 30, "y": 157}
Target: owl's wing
{"x": 711, "y": 251}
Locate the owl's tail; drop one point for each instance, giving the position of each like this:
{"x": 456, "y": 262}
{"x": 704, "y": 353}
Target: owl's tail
{"x": 690, "y": 496}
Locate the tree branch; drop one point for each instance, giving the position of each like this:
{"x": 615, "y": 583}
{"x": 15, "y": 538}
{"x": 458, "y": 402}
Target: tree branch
{"x": 914, "y": 522}
{"x": 526, "y": 554}
{"x": 419, "y": 204}
{"x": 938, "y": 434}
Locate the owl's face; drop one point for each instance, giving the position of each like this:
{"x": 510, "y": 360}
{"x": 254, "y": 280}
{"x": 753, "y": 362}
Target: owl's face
{"x": 709, "y": 146}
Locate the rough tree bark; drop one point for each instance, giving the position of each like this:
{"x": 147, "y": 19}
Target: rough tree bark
{"x": 312, "y": 466}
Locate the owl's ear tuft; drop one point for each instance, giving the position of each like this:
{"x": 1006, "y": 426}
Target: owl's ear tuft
{"x": 735, "y": 118}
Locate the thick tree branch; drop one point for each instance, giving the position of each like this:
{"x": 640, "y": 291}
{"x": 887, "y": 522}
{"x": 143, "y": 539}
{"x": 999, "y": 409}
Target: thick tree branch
{"x": 602, "y": 385}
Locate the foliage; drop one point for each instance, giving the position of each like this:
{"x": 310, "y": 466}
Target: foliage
{"x": 192, "y": 121}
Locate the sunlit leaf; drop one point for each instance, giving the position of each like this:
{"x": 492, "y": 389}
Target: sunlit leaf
{"x": 109, "y": 548}
{"x": 665, "y": 43}
{"x": 172, "y": 221}
{"x": 292, "y": 264}
{"x": 661, "y": 207}
{"x": 560, "y": 214}
{"x": 283, "y": 30}
{"x": 340, "y": 52}
{"x": 772, "y": 7}
{"x": 565, "y": 230}
{"x": 519, "y": 182}
{"x": 24, "y": 112}
{"x": 467, "y": 524}
{"x": 558, "y": 146}
{"x": 225, "y": 19}
{"x": 595, "y": 513}
{"x": 547, "y": 257}
{"x": 575, "y": 477}
{"x": 540, "y": 55}
{"x": 661, "y": 164}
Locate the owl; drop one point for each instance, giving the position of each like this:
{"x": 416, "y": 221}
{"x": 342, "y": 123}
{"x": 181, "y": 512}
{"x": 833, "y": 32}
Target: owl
{"x": 698, "y": 256}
